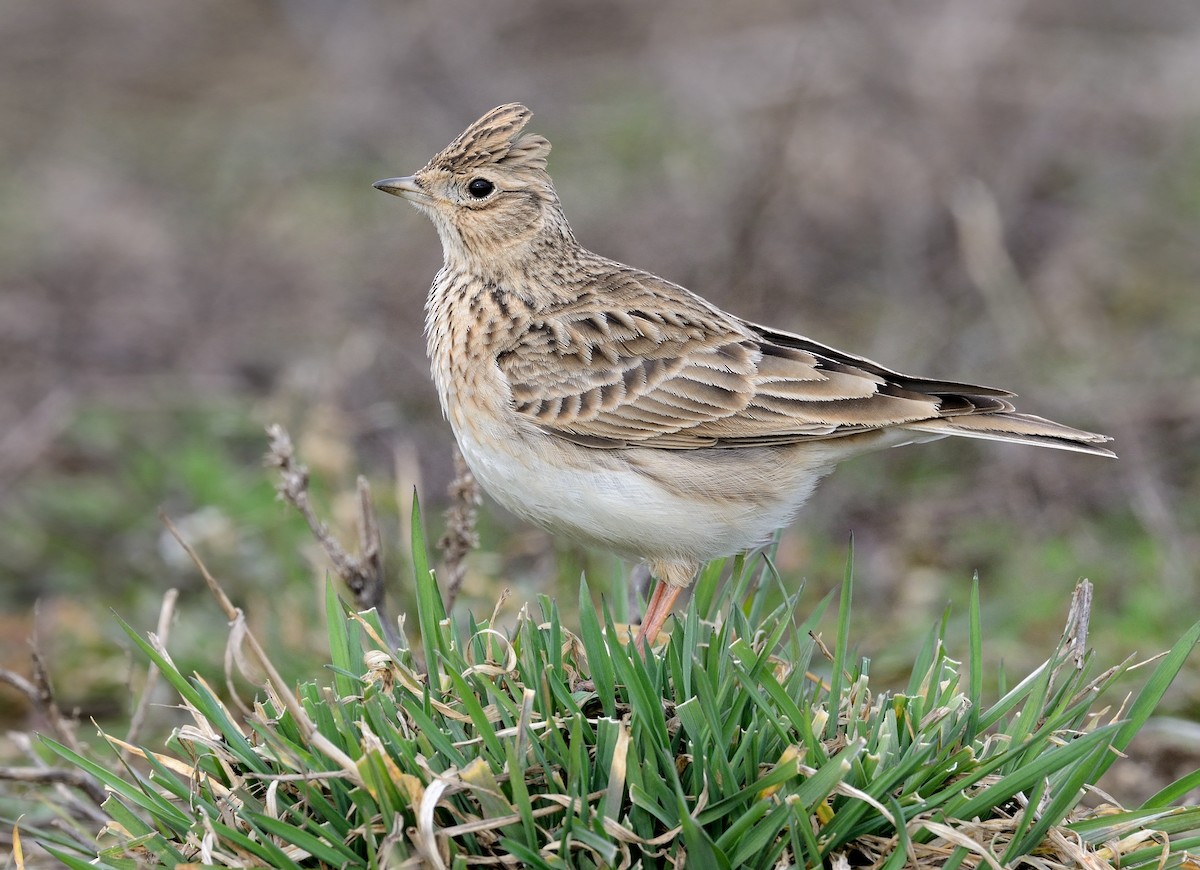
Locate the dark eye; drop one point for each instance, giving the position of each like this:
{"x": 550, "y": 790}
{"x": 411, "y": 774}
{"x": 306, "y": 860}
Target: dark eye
{"x": 480, "y": 187}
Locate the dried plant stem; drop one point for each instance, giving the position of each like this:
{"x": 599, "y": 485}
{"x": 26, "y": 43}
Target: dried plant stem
{"x": 1079, "y": 617}
{"x": 40, "y": 693}
{"x": 461, "y": 536}
{"x": 56, "y": 776}
{"x": 362, "y": 574}
{"x": 19, "y": 683}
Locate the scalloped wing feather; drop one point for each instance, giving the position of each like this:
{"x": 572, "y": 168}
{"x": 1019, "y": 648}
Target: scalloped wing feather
{"x": 690, "y": 377}
{"x": 617, "y": 367}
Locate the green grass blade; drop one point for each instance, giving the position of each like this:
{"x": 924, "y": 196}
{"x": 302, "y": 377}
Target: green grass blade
{"x": 975, "y": 679}
{"x": 335, "y": 854}
{"x": 599, "y": 659}
{"x": 431, "y": 612}
{"x": 137, "y": 794}
{"x": 702, "y": 851}
{"x": 706, "y": 586}
{"x": 822, "y": 783}
{"x": 1150, "y": 696}
{"x": 841, "y": 650}
{"x": 1173, "y": 792}
{"x": 1069, "y": 793}
{"x": 1030, "y": 773}
{"x": 75, "y": 863}
{"x": 345, "y": 652}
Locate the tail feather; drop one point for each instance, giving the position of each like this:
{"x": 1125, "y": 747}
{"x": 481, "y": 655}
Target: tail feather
{"x": 1019, "y": 429}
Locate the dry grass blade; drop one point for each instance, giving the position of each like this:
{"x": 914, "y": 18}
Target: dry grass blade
{"x": 280, "y": 688}
{"x": 958, "y": 838}
{"x": 1075, "y": 634}
{"x": 427, "y": 841}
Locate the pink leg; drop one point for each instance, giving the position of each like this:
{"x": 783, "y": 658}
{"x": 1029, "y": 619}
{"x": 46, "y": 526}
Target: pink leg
{"x": 657, "y": 611}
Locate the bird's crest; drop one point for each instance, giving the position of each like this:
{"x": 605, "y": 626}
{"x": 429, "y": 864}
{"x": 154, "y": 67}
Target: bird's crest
{"x": 492, "y": 140}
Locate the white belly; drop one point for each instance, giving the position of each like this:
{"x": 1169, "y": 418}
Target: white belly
{"x": 718, "y": 502}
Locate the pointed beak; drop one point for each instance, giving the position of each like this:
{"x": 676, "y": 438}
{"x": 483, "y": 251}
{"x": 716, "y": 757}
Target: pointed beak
{"x": 405, "y": 187}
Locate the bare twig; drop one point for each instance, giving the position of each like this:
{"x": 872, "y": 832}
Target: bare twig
{"x": 56, "y": 776}
{"x": 370, "y": 548}
{"x": 363, "y": 575}
{"x": 164, "y": 626}
{"x": 461, "y": 536}
{"x": 19, "y": 683}
{"x": 43, "y": 698}
{"x": 40, "y": 693}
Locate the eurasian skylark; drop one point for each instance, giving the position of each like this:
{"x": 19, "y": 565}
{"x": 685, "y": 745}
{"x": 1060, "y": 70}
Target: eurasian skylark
{"x": 609, "y": 405}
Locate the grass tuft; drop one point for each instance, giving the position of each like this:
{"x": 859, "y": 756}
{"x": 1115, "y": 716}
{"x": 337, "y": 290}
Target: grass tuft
{"x": 742, "y": 740}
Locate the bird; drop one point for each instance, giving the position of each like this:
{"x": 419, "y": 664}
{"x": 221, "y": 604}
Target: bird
{"x": 616, "y": 408}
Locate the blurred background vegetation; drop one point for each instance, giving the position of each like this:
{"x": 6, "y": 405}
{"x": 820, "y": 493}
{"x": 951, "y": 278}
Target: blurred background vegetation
{"x": 1001, "y": 192}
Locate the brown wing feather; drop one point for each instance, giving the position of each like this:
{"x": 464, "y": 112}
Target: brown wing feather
{"x": 619, "y": 367}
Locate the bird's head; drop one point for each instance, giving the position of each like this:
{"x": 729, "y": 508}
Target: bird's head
{"x": 488, "y": 192}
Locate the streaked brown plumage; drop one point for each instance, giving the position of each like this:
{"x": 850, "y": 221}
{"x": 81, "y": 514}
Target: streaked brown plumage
{"x": 605, "y": 403}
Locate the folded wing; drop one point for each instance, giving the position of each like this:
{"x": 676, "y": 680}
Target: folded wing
{"x": 619, "y": 370}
